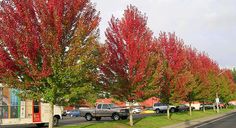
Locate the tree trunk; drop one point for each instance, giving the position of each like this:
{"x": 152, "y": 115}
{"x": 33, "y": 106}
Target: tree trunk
{"x": 204, "y": 110}
{"x": 214, "y": 109}
{"x": 190, "y": 108}
{"x": 131, "y": 122}
{"x": 168, "y": 111}
{"x": 51, "y": 113}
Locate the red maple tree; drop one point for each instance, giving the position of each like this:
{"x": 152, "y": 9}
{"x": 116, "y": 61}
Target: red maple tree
{"x": 175, "y": 74}
{"x": 125, "y": 70}
{"x": 45, "y": 45}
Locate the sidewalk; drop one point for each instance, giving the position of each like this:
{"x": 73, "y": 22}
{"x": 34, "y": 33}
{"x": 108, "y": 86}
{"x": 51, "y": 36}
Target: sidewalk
{"x": 192, "y": 123}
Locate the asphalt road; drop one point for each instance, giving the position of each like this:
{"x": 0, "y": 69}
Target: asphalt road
{"x": 75, "y": 121}
{"x": 228, "y": 121}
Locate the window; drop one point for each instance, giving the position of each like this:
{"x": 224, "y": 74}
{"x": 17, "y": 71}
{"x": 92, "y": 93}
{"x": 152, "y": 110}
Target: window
{"x": 113, "y": 106}
{"x": 105, "y": 106}
{"x": 1, "y": 103}
{"x": 14, "y": 100}
{"x": 157, "y": 104}
{"x": 9, "y": 103}
{"x": 36, "y": 107}
{"x": 99, "y": 106}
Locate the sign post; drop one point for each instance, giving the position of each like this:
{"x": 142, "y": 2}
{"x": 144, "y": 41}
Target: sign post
{"x": 217, "y": 103}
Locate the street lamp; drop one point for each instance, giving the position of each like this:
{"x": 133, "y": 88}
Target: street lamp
{"x": 217, "y": 96}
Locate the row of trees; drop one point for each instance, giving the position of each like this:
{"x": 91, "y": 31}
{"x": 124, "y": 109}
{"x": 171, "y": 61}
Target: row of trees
{"x": 49, "y": 50}
{"x": 136, "y": 65}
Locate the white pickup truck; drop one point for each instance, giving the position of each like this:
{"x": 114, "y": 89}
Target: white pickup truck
{"x": 105, "y": 110}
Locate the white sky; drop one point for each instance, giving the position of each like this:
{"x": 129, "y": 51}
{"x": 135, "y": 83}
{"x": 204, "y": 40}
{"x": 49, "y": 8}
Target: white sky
{"x": 208, "y": 25}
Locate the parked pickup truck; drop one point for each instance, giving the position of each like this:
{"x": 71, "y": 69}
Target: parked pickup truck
{"x": 105, "y": 110}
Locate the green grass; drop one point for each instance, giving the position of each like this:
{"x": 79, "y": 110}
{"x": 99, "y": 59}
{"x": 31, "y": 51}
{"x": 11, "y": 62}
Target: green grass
{"x": 156, "y": 121}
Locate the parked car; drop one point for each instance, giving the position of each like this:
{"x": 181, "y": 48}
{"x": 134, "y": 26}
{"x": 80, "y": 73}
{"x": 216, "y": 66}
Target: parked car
{"x": 207, "y": 106}
{"x": 136, "y": 110}
{"x": 183, "y": 107}
{"x": 161, "y": 107}
{"x": 105, "y": 110}
{"x": 64, "y": 113}
{"x": 222, "y": 105}
{"x": 74, "y": 113}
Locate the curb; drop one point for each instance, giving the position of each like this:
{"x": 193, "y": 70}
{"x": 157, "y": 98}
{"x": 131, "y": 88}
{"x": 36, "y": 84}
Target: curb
{"x": 147, "y": 112}
{"x": 196, "y": 122}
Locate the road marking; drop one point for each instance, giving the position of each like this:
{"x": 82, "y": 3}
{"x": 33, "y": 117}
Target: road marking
{"x": 220, "y": 118}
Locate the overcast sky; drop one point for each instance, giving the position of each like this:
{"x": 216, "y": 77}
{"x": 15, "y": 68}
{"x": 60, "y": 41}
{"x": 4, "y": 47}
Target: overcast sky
{"x": 208, "y": 25}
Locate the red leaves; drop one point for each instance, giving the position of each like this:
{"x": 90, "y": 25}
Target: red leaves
{"x": 128, "y": 47}
{"x": 133, "y": 60}
{"x": 34, "y": 34}
{"x": 175, "y": 63}
{"x": 173, "y": 51}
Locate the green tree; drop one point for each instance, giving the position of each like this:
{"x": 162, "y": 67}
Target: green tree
{"x": 234, "y": 74}
{"x": 227, "y": 86}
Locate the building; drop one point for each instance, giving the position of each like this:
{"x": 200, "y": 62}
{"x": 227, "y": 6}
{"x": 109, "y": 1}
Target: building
{"x": 14, "y": 110}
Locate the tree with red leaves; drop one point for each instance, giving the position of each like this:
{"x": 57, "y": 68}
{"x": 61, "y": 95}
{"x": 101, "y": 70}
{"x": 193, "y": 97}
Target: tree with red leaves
{"x": 126, "y": 69}
{"x": 225, "y": 86}
{"x": 175, "y": 74}
{"x": 48, "y": 49}
{"x": 207, "y": 70}
{"x": 192, "y": 84}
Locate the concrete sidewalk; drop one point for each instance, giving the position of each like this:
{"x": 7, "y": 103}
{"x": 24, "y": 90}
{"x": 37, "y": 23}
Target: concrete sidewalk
{"x": 195, "y": 122}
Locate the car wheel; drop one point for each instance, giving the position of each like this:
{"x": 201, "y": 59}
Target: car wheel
{"x": 157, "y": 111}
{"x": 40, "y": 125}
{"x": 55, "y": 121}
{"x": 172, "y": 110}
{"x": 115, "y": 116}
{"x": 88, "y": 117}
{"x": 98, "y": 118}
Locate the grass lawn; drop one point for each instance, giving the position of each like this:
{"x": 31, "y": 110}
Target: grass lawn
{"x": 156, "y": 121}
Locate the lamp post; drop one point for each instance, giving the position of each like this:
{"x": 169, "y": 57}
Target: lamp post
{"x": 217, "y": 96}
{"x": 217, "y": 102}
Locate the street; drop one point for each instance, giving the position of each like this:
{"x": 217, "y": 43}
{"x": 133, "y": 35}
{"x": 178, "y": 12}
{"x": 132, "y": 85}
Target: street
{"x": 228, "y": 121}
{"x": 75, "y": 121}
